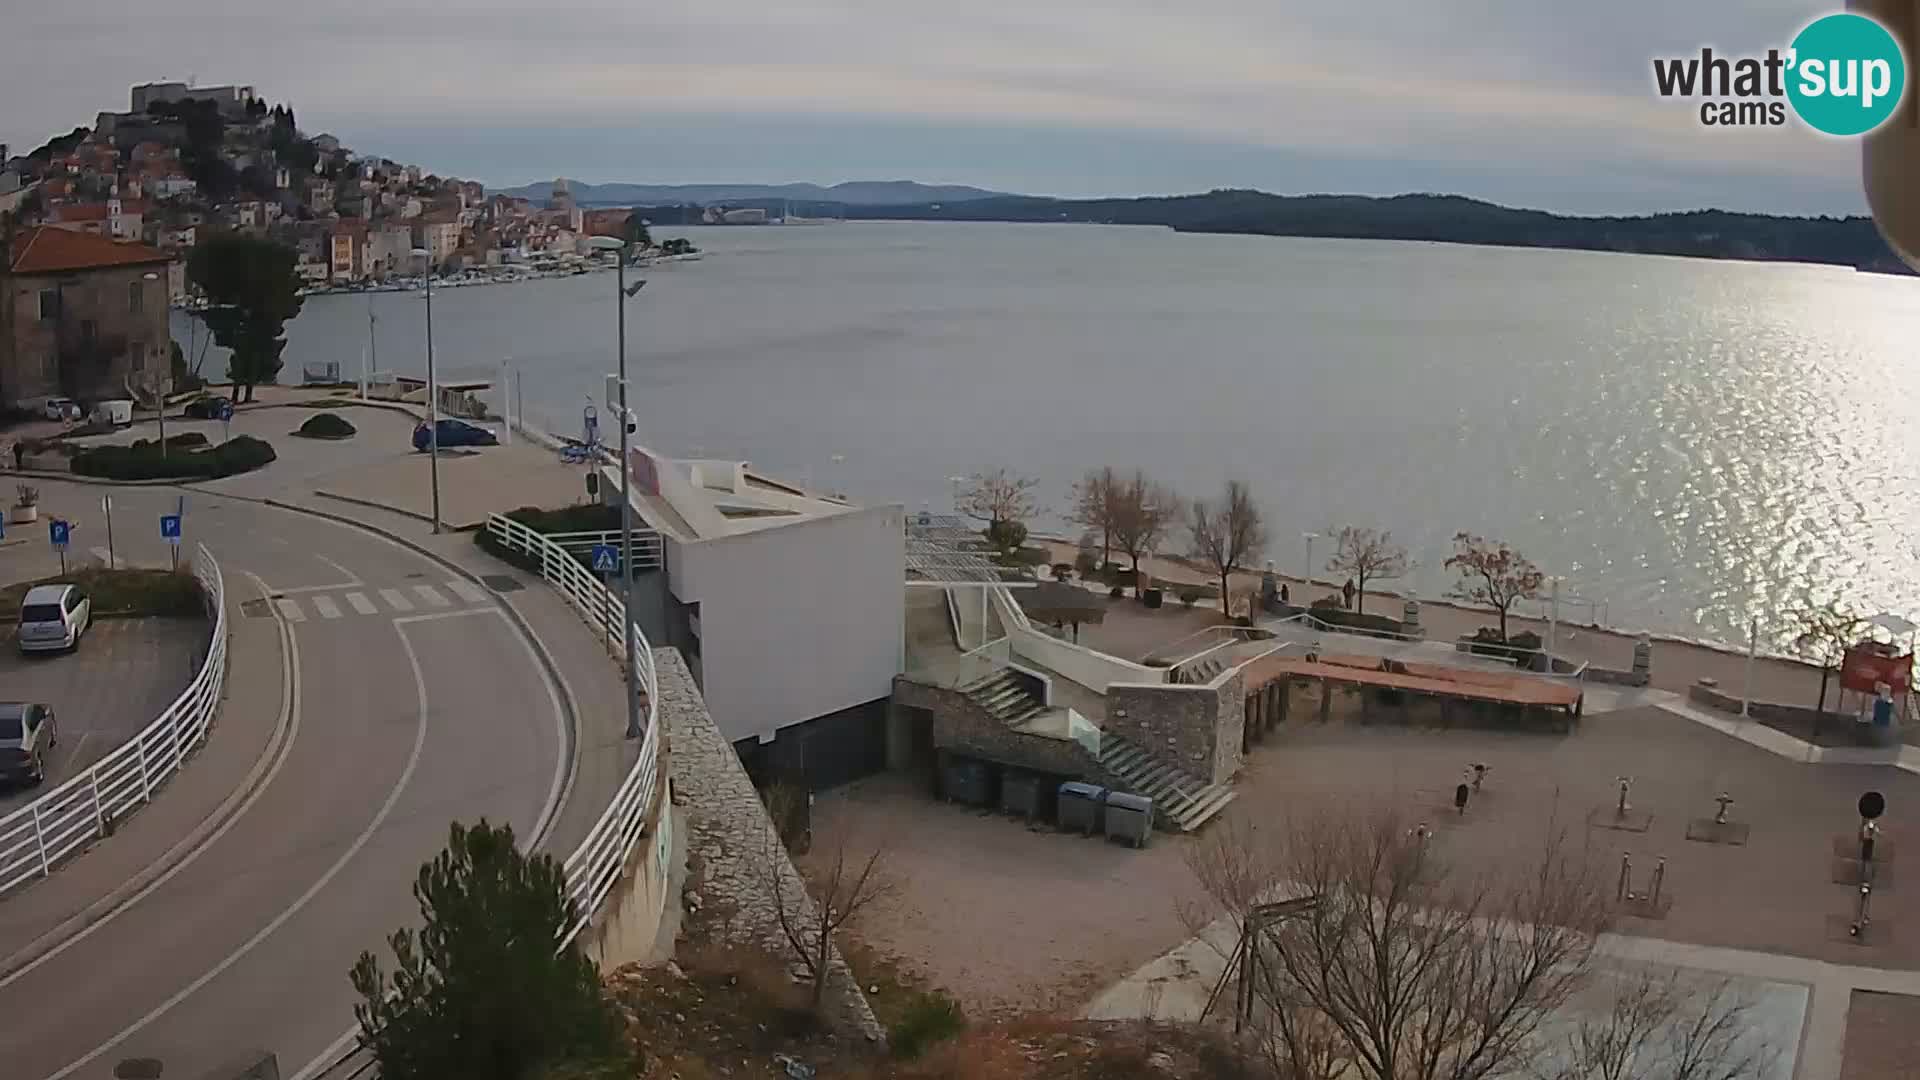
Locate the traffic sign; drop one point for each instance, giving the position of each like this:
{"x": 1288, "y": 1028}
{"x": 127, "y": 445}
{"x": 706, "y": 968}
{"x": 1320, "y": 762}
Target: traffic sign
{"x": 170, "y": 527}
{"x": 223, "y": 411}
{"x": 606, "y": 559}
{"x": 59, "y": 531}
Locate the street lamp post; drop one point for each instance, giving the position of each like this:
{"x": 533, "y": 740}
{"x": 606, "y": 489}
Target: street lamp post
{"x": 433, "y": 394}
{"x": 622, "y": 294}
{"x": 1307, "y": 578}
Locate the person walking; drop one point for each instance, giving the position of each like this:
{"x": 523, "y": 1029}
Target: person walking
{"x": 1346, "y": 594}
{"x": 1285, "y": 599}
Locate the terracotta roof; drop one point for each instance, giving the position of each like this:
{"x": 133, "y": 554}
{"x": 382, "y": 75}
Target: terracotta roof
{"x": 50, "y": 250}
{"x": 82, "y": 212}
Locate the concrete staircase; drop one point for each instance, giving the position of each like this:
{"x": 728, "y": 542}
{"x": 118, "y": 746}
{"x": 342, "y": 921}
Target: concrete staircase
{"x": 1178, "y": 797}
{"x": 1006, "y": 696}
{"x": 1200, "y": 671}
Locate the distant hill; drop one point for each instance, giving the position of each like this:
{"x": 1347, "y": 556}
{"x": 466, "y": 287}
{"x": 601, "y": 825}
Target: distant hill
{"x": 1850, "y": 241}
{"x": 863, "y": 192}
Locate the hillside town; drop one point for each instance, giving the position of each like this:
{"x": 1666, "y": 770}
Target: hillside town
{"x": 184, "y": 161}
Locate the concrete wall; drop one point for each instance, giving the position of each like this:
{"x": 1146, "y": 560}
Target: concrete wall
{"x": 1765, "y": 710}
{"x": 1093, "y": 670}
{"x": 627, "y": 929}
{"x": 731, "y": 840}
{"x": 799, "y": 620}
{"x": 1197, "y": 727}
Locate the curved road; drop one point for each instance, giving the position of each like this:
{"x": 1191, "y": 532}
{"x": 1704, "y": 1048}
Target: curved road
{"x": 411, "y": 701}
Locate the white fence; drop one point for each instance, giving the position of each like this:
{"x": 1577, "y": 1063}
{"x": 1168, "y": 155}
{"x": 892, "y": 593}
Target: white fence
{"x": 86, "y": 807}
{"x": 594, "y": 867}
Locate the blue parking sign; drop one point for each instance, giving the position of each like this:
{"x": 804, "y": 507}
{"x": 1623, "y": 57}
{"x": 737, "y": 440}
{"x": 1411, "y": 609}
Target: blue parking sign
{"x": 170, "y": 527}
{"x": 58, "y": 531}
{"x": 606, "y": 559}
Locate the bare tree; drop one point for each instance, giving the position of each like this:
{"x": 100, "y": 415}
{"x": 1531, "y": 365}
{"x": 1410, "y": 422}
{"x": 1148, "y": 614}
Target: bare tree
{"x": 1403, "y": 967}
{"x": 1663, "y": 1026}
{"x": 1366, "y": 555}
{"x": 998, "y": 496}
{"x": 1493, "y": 574}
{"x": 1143, "y": 512}
{"x": 1227, "y": 531}
{"x": 1826, "y": 633}
{"x": 850, "y": 876}
{"x": 1096, "y": 503}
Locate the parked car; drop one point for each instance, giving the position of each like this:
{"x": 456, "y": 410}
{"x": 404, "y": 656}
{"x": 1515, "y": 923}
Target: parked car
{"x": 454, "y": 433}
{"x": 27, "y": 733}
{"x": 53, "y": 617}
{"x": 61, "y": 408}
{"x": 206, "y": 408}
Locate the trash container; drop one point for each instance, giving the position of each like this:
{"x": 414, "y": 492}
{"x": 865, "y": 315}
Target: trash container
{"x": 1080, "y": 806}
{"x": 1151, "y": 598}
{"x": 967, "y": 781}
{"x": 1129, "y": 817}
{"x": 1020, "y": 794}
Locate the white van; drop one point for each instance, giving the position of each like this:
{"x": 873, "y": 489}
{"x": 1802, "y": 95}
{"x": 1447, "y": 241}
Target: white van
{"x": 118, "y": 413}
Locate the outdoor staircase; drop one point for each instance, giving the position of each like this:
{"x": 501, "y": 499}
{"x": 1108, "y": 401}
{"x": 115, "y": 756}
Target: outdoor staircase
{"x": 1199, "y": 672}
{"x": 1188, "y": 802}
{"x": 1006, "y": 696}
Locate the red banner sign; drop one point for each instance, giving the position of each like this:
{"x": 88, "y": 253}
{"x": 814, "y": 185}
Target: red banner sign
{"x": 1866, "y": 668}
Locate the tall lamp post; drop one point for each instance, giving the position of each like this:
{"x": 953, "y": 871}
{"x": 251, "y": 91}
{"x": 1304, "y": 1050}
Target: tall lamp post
{"x": 621, "y": 296}
{"x": 1307, "y": 578}
{"x": 433, "y": 393}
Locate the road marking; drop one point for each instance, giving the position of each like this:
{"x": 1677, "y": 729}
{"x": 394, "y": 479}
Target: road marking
{"x": 431, "y": 596}
{"x": 326, "y": 607}
{"x": 335, "y": 587}
{"x": 290, "y": 608}
{"x": 359, "y": 842}
{"x": 361, "y": 604}
{"x": 289, "y": 725}
{"x": 396, "y": 600}
{"x": 467, "y": 590}
{"x": 438, "y": 615}
{"x": 352, "y": 578}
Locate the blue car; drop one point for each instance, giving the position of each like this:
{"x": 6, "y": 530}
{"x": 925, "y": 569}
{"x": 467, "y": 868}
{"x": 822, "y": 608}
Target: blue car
{"x": 453, "y": 433}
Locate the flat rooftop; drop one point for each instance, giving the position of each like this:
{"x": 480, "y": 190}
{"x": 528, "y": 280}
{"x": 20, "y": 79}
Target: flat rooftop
{"x": 694, "y": 499}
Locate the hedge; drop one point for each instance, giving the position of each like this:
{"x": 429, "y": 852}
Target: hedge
{"x": 586, "y": 517}
{"x": 143, "y": 460}
{"x": 132, "y": 592}
{"x": 326, "y": 425}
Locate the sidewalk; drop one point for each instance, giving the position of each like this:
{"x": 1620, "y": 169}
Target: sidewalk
{"x": 217, "y": 779}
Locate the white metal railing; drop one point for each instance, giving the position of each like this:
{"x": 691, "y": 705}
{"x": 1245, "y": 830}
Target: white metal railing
{"x": 647, "y": 545}
{"x": 88, "y": 806}
{"x": 595, "y": 866}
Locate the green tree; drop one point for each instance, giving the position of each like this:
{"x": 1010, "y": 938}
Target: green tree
{"x": 485, "y": 990}
{"x": 252, "y": 289}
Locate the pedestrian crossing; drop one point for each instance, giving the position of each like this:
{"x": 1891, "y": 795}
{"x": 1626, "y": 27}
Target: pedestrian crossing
{"x": 348, "y": 604}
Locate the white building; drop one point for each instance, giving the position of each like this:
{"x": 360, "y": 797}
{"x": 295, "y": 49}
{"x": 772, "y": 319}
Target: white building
{"x": 788, "y": 604}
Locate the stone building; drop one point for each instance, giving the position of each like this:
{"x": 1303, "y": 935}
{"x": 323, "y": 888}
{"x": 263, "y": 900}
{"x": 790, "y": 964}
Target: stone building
{"x": 81, "y": 314}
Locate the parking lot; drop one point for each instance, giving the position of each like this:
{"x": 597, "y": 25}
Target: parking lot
{"x": 123, "y": 674}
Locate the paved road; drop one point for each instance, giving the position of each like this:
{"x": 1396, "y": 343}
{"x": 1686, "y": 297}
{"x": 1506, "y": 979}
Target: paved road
{"x": 414, "y": 702}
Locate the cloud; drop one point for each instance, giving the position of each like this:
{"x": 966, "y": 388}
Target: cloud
{"x": 1406, "y": 91}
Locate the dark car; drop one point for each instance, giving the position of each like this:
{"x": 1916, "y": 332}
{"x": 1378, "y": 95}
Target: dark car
{"x": 454, "y": 433}
{"x": 207, "y": 408}
{"x": 27, "y": 733}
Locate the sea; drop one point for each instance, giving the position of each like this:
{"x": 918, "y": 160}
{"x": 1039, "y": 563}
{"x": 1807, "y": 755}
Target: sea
{"x": 1694, "y": 446}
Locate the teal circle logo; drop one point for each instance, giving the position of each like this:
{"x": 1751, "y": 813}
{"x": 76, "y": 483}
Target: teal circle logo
{"x": 1846, "y": 74}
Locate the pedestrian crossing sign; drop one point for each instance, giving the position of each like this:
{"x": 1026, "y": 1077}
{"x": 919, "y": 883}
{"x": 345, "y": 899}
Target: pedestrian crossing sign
{"x": 605, "y": 559}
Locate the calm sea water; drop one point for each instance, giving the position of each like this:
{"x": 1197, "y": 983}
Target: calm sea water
{"x": 1691, "y": 442}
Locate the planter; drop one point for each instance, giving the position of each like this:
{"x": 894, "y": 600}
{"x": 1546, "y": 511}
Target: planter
{"x": 24, "y": 515}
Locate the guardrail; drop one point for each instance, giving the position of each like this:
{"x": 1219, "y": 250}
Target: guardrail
{"x": 594, "y": 867}
{"x": 647, "y": 545}
{"x": 88, "y": 806}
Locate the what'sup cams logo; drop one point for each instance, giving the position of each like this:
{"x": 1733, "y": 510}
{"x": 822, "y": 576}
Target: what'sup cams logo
{"x": 1844, "y": 74}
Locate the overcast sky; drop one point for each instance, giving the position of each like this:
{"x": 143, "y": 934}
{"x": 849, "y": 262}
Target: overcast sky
{"x": 1538, "y": 104}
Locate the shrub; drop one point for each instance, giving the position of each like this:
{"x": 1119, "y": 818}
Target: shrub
{"x": 586, "y": 517}
{"x": 1326, "y": 603}
{"x": 1117, "y": 591}
{"x": 1190, "y": 595}
{"x": 186, "y": 440}
{"x": 144, "y": 461}
{"x": 326, "y": 425}
{"x": 1062, "y": 571}
{"x": 1006, "y": 535}
{"x": 929, "y": 1018}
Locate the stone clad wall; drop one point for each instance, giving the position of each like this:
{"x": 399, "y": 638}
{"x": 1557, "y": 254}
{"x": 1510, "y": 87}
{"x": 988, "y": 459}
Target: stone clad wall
{"x": 729, "y": 836}
{"x": 961, "y": 725}
{"x": 1198, "y": 728}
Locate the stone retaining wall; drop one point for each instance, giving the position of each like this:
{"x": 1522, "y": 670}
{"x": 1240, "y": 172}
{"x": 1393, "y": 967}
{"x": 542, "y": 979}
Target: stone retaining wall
{"x": 963, "y": 726}
{"x": 1198, "y": 727}
{"x": 729, "y": 837}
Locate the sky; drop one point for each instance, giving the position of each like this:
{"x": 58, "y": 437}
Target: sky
{"x": 1546, "y": 105}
